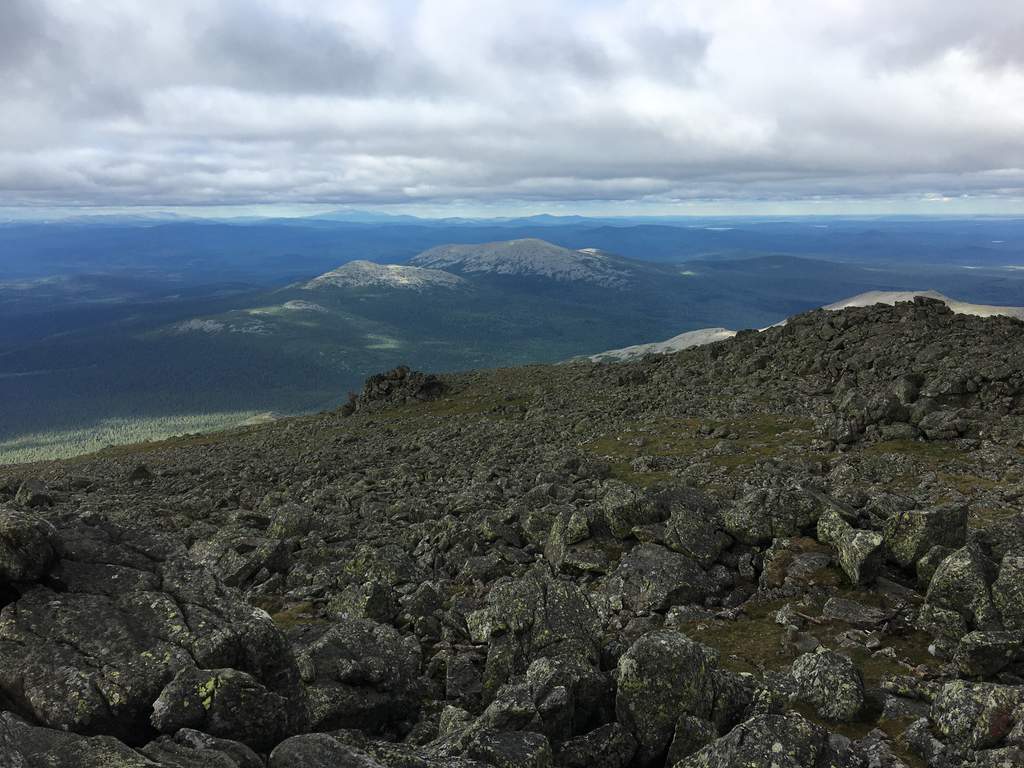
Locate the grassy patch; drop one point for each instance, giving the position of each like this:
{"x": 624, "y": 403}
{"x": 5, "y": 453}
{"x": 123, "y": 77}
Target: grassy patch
{"x": 929, "y": 452}
{"x": 751, "y": 439}
{"x": 285, "y": 616}
{"x": 458, "y": 404}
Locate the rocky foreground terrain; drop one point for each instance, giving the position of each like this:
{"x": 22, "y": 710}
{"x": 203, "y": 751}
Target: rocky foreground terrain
{"x": 801, "y": 547}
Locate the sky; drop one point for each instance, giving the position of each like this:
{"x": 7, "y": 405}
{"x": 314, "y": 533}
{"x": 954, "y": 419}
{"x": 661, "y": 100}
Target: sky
{"x": 491, "y": 107}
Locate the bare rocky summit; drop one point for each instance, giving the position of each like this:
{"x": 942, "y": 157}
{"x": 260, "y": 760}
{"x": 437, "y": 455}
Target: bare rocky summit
{"x": 368, "y": 274}
{"x": 801, "y": 547}
{"x": 529, "y": 257}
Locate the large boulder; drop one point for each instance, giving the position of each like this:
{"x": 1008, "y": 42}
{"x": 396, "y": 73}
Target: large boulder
{"x": 224, "y": 703}
{"x": 983, "y": 654}
{"x": 779, "y": 741}
{"x": 770, "y": 513}
{"x": 976, "y": 715}
{"x": 625, "y": 507}
{"x": 90, "y": 650}
{"x": 962, "y": 585}
{"x": 318, "y": 750}
{"x": 194, "y": 749}
{"x": 609, "y": 746}
{"x": 859, "y": 552}
{"x": 663, "y": 676}
{"x": 910, "y": 534}
{"x": 28, "y": 546}
{"x": 33, "y": 493}
{"x": 395, "y": 387}
{"x": 511, "y": 749}
{"x": 238, "y": 557}
{"x": 26, "y": 746}
{"x": 533, "y": 617}
{"x": 360, "y": 674}
{"x": 831, "y": 683}
{"x": 652, "y": 578}
{"x": 571, "y": 695}
{"x": 694, "y": 526}
{"x": 1008, "y": 590}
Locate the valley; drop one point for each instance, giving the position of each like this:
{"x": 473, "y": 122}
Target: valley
{"x": 175, "y": 345}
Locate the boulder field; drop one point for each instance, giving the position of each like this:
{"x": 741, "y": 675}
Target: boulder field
{"x": 802, "y": 547}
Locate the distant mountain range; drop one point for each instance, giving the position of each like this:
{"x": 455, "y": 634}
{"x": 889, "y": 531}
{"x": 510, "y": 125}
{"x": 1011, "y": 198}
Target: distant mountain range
{"x": 368, "y": 274}
{"x": 173, "y": 344}
{"x": 530, "y": 257}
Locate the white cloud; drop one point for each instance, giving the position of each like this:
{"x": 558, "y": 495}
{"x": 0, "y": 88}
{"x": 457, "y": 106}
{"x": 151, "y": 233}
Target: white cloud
{"x": 116, "y": 102}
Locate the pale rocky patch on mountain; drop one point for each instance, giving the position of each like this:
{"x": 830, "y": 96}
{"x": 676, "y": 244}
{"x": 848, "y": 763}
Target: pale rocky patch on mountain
{"x": 959, "y": 307}
{"x": 368, "y": 274}
{"x": 528, "y": 257}
{"x": 675, "y": 344}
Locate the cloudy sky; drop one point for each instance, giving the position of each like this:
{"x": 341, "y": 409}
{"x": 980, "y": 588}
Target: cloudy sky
{"x": 500, "y": 105}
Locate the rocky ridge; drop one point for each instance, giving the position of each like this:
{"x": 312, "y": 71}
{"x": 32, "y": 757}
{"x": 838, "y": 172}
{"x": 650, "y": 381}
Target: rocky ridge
{"x": 529, "y": 257}
{"x": 368, "y": 274}
{"x": 801, "y": 547}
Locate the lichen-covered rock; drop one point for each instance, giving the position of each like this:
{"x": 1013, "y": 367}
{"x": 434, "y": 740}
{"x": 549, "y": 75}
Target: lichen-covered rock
{"x": 859, "y": 552}
{"x": 90, "y": 650}
{"x": 779, "y": 741}
{"x": 222, "y": 702}
{"x": 1008, "y": 590}
{"x": 194, "y": 749}
{"x": 26, "y": 746}
{"x": 929, "y": 563}
{"x": 363, "y": 675}
{"x": 571, "y": 695}
{"x": 239, "y": 558}
{"x": 33, "y": 493}
{"x": 652, "y": 578}
{"x": 570, "y": 530}
{"x": 976, "y": 715}
{"x": 511, "y": 749}
{"x": 542, "y": 611}
{"x": 318, "y": 750}
{"x": 28, "y": 546}
{"x": 694, "y": 526}
{"x": 831, "y": 683}
{"x": 962, "y": 583}
{"x": 663, "y": 676}
{"x": 608, "y": 746}
{"x": 770, "y": 513}
{"x": 691, "y": 734}
{"x": 394, "y": 387}
{"x": 910, "y": 534}
{"x": 853, "y": 613}
{"x": 625, "y": 508}
{"x": 983, "y": 654}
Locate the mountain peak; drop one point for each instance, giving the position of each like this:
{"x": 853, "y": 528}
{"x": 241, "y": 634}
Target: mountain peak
{"x": 528, "y": 257}
{"x": 369, "y": 274}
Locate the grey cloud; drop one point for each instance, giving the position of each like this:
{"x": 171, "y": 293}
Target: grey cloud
{"x": 263, "y": 102}
{"x": 554, "y": 53}
{"x": 251, "y": 46}
{"x": 23, "y": 32}
{"x": 917, "y": 32}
